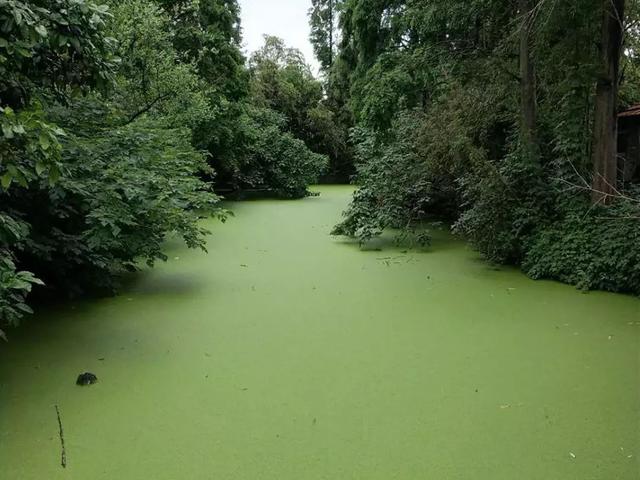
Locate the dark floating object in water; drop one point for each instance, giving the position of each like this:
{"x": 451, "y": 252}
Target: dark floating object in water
{"x": 86, "y": 378}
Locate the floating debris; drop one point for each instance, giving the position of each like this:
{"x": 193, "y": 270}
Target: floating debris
{"x": 63, "y": 455}
{"x": 572, "y": 455}
{"x": 85, "y": 379}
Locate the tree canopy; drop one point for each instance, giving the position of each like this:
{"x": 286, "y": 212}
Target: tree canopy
{"x": 488, "y": 114}
{"x": 120, "y": 122}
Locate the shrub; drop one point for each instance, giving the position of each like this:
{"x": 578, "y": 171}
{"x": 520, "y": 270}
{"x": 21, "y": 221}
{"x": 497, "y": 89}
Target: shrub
{"x": 594, "y": 249}
{"x": 275, "y": 160}
{"x": 123, "y": 191}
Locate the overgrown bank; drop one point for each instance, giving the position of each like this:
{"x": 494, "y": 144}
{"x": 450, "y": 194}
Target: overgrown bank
{"x": 498, "y": 115}
{"x": 120, "y": 121}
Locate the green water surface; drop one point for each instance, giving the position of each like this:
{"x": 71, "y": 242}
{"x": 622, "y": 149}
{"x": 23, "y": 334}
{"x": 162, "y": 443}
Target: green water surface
{"x": 286, "y": 354}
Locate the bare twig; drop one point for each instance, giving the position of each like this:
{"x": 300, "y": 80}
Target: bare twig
{"x": 603, "y": 197}
{"x": 63, "y": 457}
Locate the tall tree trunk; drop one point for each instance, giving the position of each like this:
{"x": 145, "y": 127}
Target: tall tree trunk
{"x": 527, "y": 77}
{"x": 605, "y": 129}
{"x": 331, "y": 27}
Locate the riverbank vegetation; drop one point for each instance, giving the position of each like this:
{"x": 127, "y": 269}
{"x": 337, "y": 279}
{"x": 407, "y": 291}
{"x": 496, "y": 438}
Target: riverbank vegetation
{"x": 124, "y": 123}
{"x": 499, "y": 116}
{"x": 121, "y": 122}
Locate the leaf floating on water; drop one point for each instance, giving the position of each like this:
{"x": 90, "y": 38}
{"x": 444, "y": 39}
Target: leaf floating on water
{"x": 572, "y": 455}
{"x": 244, "y": 266}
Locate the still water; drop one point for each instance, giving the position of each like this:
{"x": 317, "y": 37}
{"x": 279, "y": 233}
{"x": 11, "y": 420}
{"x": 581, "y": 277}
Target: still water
{"x": 285, "y": 353}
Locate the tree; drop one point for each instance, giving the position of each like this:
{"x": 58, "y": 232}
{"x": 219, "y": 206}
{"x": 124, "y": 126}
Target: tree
{"x": 324, "y": 32}
{"x": 527, "y": 74}
{"x": 605, "y": 130}
{"x": 451, "y": 101}
{"x": 92, "y": 183}
{"x": 45, "y": 52}
{"x": 282, "y": 80}
{"x": 208, "y": 33}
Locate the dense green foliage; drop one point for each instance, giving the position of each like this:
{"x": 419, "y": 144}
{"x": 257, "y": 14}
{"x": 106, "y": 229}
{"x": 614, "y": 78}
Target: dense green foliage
{"x": 90, "y": 186}
{"x": 118, "y": 122}
{"x": 264, "y": 140}
{"x": 276, "y": 160}
{"x": 438, "y": 91}
{"x": 282, "y": 81}
{"x": 323, "y": 20}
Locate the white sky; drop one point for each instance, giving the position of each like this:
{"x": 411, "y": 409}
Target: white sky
{"x": 286, "y": 19}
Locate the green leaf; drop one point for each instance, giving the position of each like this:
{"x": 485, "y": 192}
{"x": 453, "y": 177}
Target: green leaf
{"x": 7, "y": 131}
{"x": 24, "y": 52}
{"x": 3, "y": 336}
{"x": 3, "y": 43}
{"x": 40, "y": 167}
{"x": 17, "y": 15}
{"x": 42, "y": 31}
{"x": 54, "y": 175}
{"x": 24, "y": 308}
{"x": 6, "y": 180}
{"x": 45, "y": 141}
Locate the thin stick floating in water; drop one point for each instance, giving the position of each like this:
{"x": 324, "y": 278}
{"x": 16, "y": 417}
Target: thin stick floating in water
{"x": 63, "y": 458}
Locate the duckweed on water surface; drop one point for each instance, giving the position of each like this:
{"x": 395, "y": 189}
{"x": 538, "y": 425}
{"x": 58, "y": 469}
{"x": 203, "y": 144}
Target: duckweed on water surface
{"x": 288, "y": 354}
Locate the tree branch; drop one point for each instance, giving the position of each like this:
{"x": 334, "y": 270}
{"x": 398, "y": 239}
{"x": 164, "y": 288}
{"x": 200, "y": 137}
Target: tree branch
{"x": 146, "y": 108}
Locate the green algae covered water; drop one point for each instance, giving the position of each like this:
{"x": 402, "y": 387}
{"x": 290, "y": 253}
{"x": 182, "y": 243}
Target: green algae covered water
{"x": 287, "y": 354}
